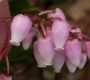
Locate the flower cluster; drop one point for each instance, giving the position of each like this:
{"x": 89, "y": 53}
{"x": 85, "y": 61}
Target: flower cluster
{"x": 56, "y": 44}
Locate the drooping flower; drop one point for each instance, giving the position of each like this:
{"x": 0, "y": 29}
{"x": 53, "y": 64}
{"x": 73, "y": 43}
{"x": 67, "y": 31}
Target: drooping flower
{"x": 58, "y": 60}
{"x": 40, "y": 61}
{"x": 3, "y": 77}
{"x": 28, "y": 40}
{"x": 72, "y": 68}
{"x": 73, "y": 51}
{"x": 60, "y": 33}
{"x": 83, "y": 61}
{"x": 20, "y": 27}
{"x": 45, "y": 50}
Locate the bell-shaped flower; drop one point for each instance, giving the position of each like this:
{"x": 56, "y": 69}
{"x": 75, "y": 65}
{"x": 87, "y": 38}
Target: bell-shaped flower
{"x": 58, "y": 14}
{"x": 73, "y": 51}
{"x": 20, "y": 27}
{"x": 58, "y": 61}
{"x": 45, "y": 50}
{"x": 83, "y": 61}
{"x": 27, "y": 40}
{"x": 60, "y": 33}
{"x": 87, "y": 47}
{"x": 40, "y": 61}
{"x": 4, "y": 77}
{"x": 70, "y": 66}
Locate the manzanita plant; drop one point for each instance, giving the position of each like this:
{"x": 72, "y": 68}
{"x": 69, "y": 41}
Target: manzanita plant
{"x": 57, "y": 42}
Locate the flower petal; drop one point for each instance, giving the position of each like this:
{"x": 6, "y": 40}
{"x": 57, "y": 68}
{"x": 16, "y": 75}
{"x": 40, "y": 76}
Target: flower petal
{"x": 73, "y": 51}
{"x": 58, "y": 61}
{"x": 20, "y": 27}
{"x": 46, "y": 49}
{"x": 41, "y": 62}
{"x": 60, "y": 32}
{"x": 27, "y": 41}
{"x": 83, "y": 61}
{"x": 70, "y": 66}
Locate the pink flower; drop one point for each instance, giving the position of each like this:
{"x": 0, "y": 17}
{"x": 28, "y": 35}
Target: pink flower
{"x": 72, "y": 68}
{"x": 44, "y": 51}
{"x": 83, "y": 61}
{"x": 87, "y": 47}
{"x": 73, "y": 51}
{"x": 3, "y": 77}
{"x": 58, "y": 14}
{"x": 20, "y": 27}
{"x": 28, "y": 40}
{"x": 59, "y": 33}
{"x": 58, "y": 61}
{"x": 41, "y": 62}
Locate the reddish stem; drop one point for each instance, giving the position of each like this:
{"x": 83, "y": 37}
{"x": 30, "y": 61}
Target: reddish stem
{"x": 8, "y": 66}
{"x": 4, "y": 15}
{"x": 43, "y": 30}
{"x": 86, "y": 37}
{"x": 45, "y": 12}
{"x": 6, "y": 45}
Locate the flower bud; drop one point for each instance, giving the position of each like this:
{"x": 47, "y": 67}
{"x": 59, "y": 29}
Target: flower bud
{"x": 58, "y": 60}
{"x": 83, "y": 61}
{"x": 41, "y": 62}
{"x": 60, "y": 33}
{"x": 70, "y": 66}
{"x": 20, "y": 27}
{"x": 27, "y": 40}
{"x": 73, "y": 51}
{"x": 45, "y": 50}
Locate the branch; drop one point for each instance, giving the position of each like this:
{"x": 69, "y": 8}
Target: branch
{"x": 86, "y": 37}
{"x": 4, "y": 9}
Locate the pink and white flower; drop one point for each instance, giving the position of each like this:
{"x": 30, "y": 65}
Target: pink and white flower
{"x": 73, "y": 51}
{"x": 58, "y": 61}
{"x": 83, "y": 61}
{"x": 20, "y": 27}
{"x": 45, "y": 50}
{"x": 60, "y": 33}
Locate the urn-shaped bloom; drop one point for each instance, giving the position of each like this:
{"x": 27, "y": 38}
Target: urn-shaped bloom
{"x": 73, "y": 51}
{"x": 58, "y": 60}
{"x": 40, "y": 61}
{"x": 45, "y": 50}
{"x": 20, "y": 27}
{"x": 72, "y": 68}
{"x": 83, "y": 61}
{"x": 60, "y": 33}
{"x": 28, "y": 40}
